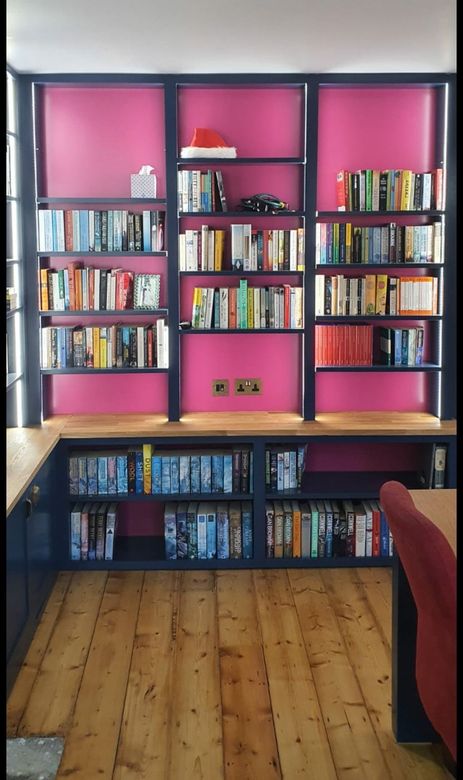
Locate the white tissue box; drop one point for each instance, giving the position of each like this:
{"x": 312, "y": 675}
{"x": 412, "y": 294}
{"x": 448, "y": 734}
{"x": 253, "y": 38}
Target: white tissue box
{"x": 142, "y": 185}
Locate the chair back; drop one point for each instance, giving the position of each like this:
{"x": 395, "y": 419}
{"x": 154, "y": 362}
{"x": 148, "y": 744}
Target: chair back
{"x": 430, "y": 567}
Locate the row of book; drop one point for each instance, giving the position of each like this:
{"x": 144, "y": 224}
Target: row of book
{"x": 247, "y": 307}
{"x": 141, "y": 471}
{"x": 208, "y": 530}
{"x": 250, "y": 250}
{"x": 93, "y": 528}
{"x": 103, "y": 230}
{"x": 201, "y": 191}
{"x": 113, "y": 346}
{"x": 341, "y": 295}
{"x": 326, "y": 528}
{"x": 360, "y": 345}
{"x": 389, "y": 190}
{"x": 78, "y": 288}
{"x": 343, "y": 242}
{"x": 284, "y": 467}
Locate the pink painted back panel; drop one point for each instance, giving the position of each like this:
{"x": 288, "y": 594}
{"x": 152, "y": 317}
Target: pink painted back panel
{"x": 283, "y": 181}
{"x": 373, "y": 128}
{"x": 108, "y": 393}
{"x": 273, "y": 358}
{"x": 375, "y": 392}
{"x": 258, "y": 122}
{"x": 95, "y": 137}
{"x": 363, "y": 456}
{"x": 139, "y": 519}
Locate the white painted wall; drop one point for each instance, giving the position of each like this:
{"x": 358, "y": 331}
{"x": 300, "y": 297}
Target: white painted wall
{"x": 201, "y": 36}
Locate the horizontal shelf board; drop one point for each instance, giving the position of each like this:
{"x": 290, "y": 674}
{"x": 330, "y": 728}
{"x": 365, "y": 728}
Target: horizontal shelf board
{"x": 423, "y": 367}
{"x": 101, "y": 312}
{"x": 209, "y": 331}
{"x": 122, "y": 253}
{"x": 163, "y": 497}
{"x": 240, "y": 161}
{"x": 358, "y": 317}
{"x": 428, "y": 213}
{"x": 148, "y": 552}
{"x": 241, "y": 273}
{"x": 378, "y": 265}
{"x": 12, "y": 312}
{"x": 347, "y": 484}
{"x": 250, "y": 214}
{"x": 102, "y": 200}
{"x": 103, "y": 370}
{"x": 11, "y": 379}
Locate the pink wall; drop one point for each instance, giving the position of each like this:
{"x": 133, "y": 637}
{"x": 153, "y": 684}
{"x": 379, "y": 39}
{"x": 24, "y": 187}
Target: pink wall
{"x": 372, "y": 128}
{"x": 106, "y": 393}
{"x": 362, "y": 456}
{"x": 375, "y": 392}
{"x": 259, "y": 122}
{"x": 95, "y": 137}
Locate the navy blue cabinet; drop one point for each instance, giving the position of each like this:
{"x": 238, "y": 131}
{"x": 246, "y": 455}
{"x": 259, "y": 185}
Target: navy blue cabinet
{"x": 40, "y": 538}
{"x": 16, "y": 575}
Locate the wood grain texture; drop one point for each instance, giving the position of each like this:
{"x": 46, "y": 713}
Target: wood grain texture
{"x": 26, "y": 451}
{"x": 91, "y": 743}
{"x": 355, "y": 748}
{"x": 250, "y": 746}
{"x": 144, "y": 740}
{"x": 51, "y": 703}
{"x": 370, "y": 662}
{"x": 301, "y": 735}
{"x": 196, "y": 749}
{"x": 32, "y": 663}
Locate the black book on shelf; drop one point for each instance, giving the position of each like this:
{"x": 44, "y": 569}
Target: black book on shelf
{"x": 382, "y": 190}
{"x": 104, "y": 230}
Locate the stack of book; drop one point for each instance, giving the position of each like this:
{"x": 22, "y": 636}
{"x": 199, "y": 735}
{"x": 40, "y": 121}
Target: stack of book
{"x": 246, "y": 307}
{"x": 78, "y": 288}
{"x": 341, "y": 295}
{"x": 389, "y": 190}
{"x": 201, "y": 191}
{"x": 343, "y": 242}
{"x": 93, "y": 528}
{"x": 208, "y": 530}
{"x": 105, "y": 230}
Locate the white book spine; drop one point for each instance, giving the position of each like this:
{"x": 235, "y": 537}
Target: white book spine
{"x": 360, "y": 534}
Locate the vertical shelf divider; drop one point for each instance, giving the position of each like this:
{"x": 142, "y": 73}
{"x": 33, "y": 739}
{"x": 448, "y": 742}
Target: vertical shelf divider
{"x": 310, "y": 204}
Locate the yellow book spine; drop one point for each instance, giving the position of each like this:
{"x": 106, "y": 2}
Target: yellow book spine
{"x": 218, "y": 250}
{"x": 250, "y": 308}
{"x": 103, "y": 353}
{"x": 147, "y": 454}
{"x": 96, "y": 348}
{"x": 406, "y": 190}
{"x": 381, "y": 293}
{"x": 44, "y": 289}
{"x": 348, "y": 242}
{"x": 370, "y": 293}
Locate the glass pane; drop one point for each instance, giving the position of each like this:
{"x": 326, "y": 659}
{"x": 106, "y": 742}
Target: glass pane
{"x": 11, "y": 167}
{"x": 10, "y": 108}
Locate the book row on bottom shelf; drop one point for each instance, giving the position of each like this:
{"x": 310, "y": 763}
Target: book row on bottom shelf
{"x": 204, "y": 530}
{"x": 247, "y": 307}
{"x": 340, "y": 295}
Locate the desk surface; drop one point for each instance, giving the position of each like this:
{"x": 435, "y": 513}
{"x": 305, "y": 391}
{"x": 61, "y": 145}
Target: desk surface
{"x": 441, "y": 507}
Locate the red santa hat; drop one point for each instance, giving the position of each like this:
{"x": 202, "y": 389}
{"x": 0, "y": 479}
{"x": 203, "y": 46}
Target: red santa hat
{"x": 207, "y": 143}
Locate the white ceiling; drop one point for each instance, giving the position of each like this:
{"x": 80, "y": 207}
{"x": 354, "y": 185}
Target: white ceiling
{"x": 231, "y": 36}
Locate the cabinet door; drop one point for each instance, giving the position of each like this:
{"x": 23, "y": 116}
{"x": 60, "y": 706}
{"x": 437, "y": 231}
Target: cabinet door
{"x": 40, "y": 537}
{"x": 16, "y": 575}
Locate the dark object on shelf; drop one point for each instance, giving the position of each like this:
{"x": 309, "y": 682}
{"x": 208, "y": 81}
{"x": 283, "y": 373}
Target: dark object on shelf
{"x": 264, "y": 202}
{"x": 185, "y": 325}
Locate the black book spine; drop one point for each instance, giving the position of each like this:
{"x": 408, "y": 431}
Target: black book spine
{"x": 103, "y": 288}
{"x": 104, "y": 231}
{"x": 342, "y": 242}
{"x": 131, "y": 470}
{"x": 133, "y": 347}
{"x": 382, "y": 191}
{"x": 138, "y": 232}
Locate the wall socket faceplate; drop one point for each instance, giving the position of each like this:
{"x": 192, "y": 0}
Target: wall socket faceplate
{"x": 220, "y": 387}
{"x": 248, "y": 386}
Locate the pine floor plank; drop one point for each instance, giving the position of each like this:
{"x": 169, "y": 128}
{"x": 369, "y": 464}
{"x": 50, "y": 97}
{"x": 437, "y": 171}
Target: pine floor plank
{"x": 196, "y": 749}
{"x": 144, "y": 740}
{"x": 355, "y": 748}
{"x": 371, "y": 664}
{"x": 91, "y": 743}
{"x": 302, "y": 740}
{"x": 250, "y": 747}
{"x": 20, "y": 693}
{"x": 53, "y": 696}
{"x": 377, "y": 587}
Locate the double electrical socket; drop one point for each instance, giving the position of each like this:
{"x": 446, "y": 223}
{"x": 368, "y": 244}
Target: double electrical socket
{"x": 241, "y": 386}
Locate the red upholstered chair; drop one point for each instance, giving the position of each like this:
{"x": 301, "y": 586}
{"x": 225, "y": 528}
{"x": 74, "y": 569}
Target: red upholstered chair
{"x": 430, "y": 566}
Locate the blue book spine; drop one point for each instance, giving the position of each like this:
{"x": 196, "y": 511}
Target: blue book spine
{"x": 165, "y": 474}
{"x": 202, "y": 533}
{"x": 112, "y": 476}
{"x": 397, "y": 345}
{"x": 329, "y": 242}
{"x": 73, "y": 476}
{"x": 292, "y": 469}
{"x": 170, "y": 532}
{"x": 184, "y": 474}
{"x": 182, "y": 545}
{"x": 62, "y": 347}
{"x": 376, "y": 244}
{"x": 92, "y": 476}
{"x": 122, "y": 484}
{"x": 54, "y": 232}
{"x": 139, "y": 472}
{"x": 192, "y": 531}
{"x": 67, "y": 300}
{"x": 82, "y": 476}
{"x": 156, "y": 474}
{"x": 370, "y": 244}
{"x": 280, "y": 471}
{"x": 83, "y": 231}
{"x": 329, "y": 535}
{"x": 217, "y": 473}
{"x": 223, "y": 532}
{"x": 195, "y": 474}
{"x": 227, "y": 473}
{"x": 246, "y": 525}
{"x": 110, "y": 230}
{"x": 206, "y": 477}
{"x": 211, "y": 540}
{"x": 383, "y": 535}
{"x": 147, "y": 231}
{"x": 75, "y": 532}
{"x": 174, "y": 474}
{"x": 102, "y": 475}
{"x": 125, "y": 346}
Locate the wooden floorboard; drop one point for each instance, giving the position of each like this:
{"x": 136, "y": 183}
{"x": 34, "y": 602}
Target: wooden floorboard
{"x": 239, "y": 675}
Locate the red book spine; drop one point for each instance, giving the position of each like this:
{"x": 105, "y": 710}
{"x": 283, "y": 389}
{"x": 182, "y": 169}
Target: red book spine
{"x": 287, "y": 304}
{"x": 376, "y": 531}
{"x": 68, "y": 242}
{"x": 149, "y": 337}
{"x": 341, "y": 189}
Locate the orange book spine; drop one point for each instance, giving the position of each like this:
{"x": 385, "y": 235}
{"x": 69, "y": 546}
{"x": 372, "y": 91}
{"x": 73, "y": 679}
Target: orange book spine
{"x": 232, "y": 307}
{"x": 44, "y": 289}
